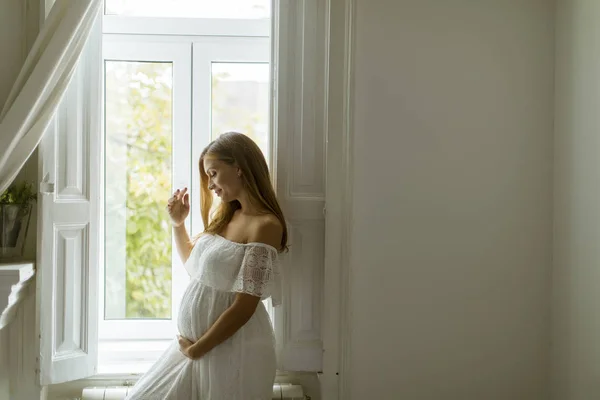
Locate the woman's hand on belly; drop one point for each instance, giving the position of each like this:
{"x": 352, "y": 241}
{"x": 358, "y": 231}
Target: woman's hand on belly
{"x": 188, "y": 349}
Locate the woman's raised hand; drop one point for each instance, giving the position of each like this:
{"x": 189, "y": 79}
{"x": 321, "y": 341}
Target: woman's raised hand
{"x": 179, "y": 207}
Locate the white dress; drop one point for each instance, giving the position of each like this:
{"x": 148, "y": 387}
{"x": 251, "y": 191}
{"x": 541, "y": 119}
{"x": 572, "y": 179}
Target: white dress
{"x": 243, "y": 366}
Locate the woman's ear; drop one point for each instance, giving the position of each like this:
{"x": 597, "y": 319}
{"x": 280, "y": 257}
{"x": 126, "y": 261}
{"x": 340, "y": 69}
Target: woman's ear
{"x": 239, "y": 173}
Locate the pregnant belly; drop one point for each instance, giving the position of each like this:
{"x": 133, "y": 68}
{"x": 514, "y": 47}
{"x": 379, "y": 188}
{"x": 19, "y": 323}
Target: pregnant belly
{"x": 200, "y": 307}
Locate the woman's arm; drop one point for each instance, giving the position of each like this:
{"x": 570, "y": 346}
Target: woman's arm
{"x": 179, "y": 209}
{"x": 183, "y": 242}
{"x": 243, "y": 306}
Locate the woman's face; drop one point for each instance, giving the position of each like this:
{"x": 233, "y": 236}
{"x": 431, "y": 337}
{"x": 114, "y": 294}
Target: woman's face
{"x": 223, "y": 179}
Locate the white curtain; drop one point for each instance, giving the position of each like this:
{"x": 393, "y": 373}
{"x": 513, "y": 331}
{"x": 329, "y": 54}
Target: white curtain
{"x": 42, "y": 82}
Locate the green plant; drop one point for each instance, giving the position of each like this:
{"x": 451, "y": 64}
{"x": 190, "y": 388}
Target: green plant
{"x": 19, "y": 194}
{"x": 15, "y": 213}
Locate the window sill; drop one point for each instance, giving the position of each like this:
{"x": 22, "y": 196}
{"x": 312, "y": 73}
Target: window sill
{"x": 129, "y": 378}
{"x": 73, "y": 389}
{"x": 127, "y": 357}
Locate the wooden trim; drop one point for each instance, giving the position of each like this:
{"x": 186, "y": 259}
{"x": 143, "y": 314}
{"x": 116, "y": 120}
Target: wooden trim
{"x": 31, "y": 25}
{"x": 338, "y": 223}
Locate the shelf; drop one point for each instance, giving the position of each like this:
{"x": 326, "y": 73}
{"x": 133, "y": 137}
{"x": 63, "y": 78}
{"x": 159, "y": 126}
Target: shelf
{"x": 15, "y": 278}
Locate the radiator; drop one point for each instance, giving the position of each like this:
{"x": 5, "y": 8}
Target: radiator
{"x": 280, "y": 392}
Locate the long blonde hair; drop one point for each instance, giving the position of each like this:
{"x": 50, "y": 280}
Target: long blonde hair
{"x": 237, "y": 149}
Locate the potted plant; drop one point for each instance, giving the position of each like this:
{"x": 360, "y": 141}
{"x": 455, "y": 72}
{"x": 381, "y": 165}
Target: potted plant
{"x": 15, "y": 213}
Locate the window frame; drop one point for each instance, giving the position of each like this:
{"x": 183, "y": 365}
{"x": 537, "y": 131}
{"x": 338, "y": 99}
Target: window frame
{"x": 207, "y": 50}
{"x": 131, "y": 346}
{"x": 125, "y": 25}
{"x": 177, "y": 54}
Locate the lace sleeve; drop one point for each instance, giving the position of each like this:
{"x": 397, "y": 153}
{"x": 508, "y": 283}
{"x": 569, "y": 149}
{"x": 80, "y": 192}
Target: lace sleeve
{"x": 260, "y": 274}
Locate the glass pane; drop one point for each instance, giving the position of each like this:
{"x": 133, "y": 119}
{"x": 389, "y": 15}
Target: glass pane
{"x": 138, "y": 124}
{"x": 236, "y": 9}
{"x": 240, "y": 101}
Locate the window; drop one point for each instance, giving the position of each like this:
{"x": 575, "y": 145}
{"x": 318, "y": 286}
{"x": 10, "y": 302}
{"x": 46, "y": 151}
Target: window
{"x": 236, "y": 9}
{"x": 167, "y": 86}
{"x": 147, "y": 134}
{"x": 138, "y": 161}
{"x": 165, "y": 99}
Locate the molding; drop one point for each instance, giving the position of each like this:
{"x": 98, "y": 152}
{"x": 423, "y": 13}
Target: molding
{"x": 299, "y": 110}
{"x": 24, "y": 26}
{"x": 347, "y": 206}
{"x": 31, "y": 24}
{"x": 14, "y": 281}
{"x": 336, "y": 317}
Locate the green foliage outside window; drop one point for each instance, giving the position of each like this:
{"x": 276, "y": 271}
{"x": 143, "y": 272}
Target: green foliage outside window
{"x": 139, "y": 118}
{"x": 143, "y": 114}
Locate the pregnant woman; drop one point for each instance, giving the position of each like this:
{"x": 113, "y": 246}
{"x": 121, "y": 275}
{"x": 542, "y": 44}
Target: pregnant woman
{"x": 225, "y": 349}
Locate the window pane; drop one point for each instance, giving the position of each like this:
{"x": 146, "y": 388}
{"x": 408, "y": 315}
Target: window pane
{"x": 138, "y": 124}
{"x": 240, "y": 101}
{"x": 236, "y": 9}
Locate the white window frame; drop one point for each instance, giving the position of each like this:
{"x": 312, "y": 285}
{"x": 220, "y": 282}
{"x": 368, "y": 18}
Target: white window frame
{"x": 114, "y": 24}
{"x": 179, "y": 55}
{"x": 130, "y": 346}
{"x": 206, "y": 51}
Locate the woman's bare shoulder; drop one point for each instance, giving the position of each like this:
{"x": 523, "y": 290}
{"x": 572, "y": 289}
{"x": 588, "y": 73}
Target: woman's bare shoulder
{"x": 266, "y": 229}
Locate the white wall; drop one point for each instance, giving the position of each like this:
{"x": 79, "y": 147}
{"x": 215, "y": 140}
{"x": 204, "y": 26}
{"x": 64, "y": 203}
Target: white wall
{"x": 576, "y": 300}
{"x": 11, "y": 17}
{"x": 18, "y": 28}
{"x": 19, "y": 25}
{"x": 452, "y": 232}
{"x": 11, "y": 44}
